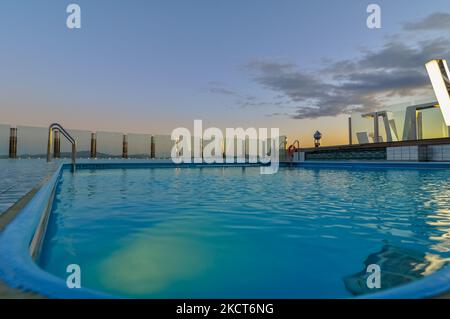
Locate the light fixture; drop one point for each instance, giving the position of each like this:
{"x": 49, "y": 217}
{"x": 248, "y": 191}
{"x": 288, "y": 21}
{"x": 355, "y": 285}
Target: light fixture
{"x": 439, "y": 76}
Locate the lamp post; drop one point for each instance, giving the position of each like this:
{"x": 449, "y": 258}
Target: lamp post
{"x": 317, "y": 136}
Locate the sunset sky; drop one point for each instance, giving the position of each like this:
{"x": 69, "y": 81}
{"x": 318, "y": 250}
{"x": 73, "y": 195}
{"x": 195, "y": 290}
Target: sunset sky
{"x": 152, "y": 66}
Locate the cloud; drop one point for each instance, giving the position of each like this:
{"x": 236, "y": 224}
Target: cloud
{"x": 366, "y": 83}
{"x": 435, "y": 21}
{"x": 242, "y": 101}
{"x": 221, "y": 90}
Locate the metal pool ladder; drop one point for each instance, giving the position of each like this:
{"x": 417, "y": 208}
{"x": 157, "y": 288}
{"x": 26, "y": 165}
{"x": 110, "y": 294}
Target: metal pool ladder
{"x": 58, "y": 127}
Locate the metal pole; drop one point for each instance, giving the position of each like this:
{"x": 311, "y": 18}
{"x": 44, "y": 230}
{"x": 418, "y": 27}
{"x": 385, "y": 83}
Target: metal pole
{"x": 93, "y": 145}
{"x": 49, "y": 144}
{"x": 125, "y": 146}
{"x": 56, "y": 145}
{"x": 13, "y": 142}
{"x": 350, "y": 136}
{"x": 152, "y": 147}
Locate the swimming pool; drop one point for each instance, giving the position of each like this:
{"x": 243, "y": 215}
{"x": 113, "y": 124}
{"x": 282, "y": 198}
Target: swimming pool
{"x": 230, "y": 232}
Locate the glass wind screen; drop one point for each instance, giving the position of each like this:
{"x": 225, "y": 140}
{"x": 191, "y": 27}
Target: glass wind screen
{"x": 163, "y": 146}
{"x": 109, "y": 144}
{"x": 4, "y": 140}
{"x": 139, "y": 145}
{"x": 32, "y": 142}
{"x": 83, "y": 140}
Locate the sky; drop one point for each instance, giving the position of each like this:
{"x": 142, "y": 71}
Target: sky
{"x": 151, "y": 66}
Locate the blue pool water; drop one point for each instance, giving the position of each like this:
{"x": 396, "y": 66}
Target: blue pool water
{"x": 231, "y": 232}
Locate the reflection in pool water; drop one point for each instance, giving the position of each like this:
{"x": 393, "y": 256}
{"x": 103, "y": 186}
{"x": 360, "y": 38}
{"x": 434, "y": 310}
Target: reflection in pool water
{"x": 397, "y": 266}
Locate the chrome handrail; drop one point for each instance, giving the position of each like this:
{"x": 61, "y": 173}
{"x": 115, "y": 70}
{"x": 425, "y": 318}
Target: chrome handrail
{"x": 54, "y": 127}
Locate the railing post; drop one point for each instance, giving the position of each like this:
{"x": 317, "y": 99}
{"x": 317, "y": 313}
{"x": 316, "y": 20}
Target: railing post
{"x": 93, "y": 145}
{"x": 56, "y": 144}
{"x": 13, "y": 142}
{"x": 125, "y": 146}
{"x": 152, "y": 147}
{"x": 201, "y": 149}
{"x": 350, "y": 134}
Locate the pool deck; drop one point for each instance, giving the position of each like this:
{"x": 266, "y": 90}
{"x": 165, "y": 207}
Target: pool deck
{"x": 19, "y": 177}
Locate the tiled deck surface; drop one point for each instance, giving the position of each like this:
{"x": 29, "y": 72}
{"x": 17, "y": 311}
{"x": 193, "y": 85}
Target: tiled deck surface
{"x": 18, "y": 177}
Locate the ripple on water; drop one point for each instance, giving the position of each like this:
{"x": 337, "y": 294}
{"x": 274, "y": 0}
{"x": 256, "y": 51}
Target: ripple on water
{"x": 235, "y": 233}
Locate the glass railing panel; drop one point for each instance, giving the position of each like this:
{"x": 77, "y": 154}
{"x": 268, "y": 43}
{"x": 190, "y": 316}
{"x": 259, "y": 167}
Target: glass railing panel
{"x": 163, "y": 146}
{"x": 4, "y": 140}
{"x": 433, "y": 124}
{"x": 32, "y": 142}
{"x": 139, "y": 145}
{"x": 83, "y": 140}
{"x": 362, "y": 129}
{"x": 109, "y": 145}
